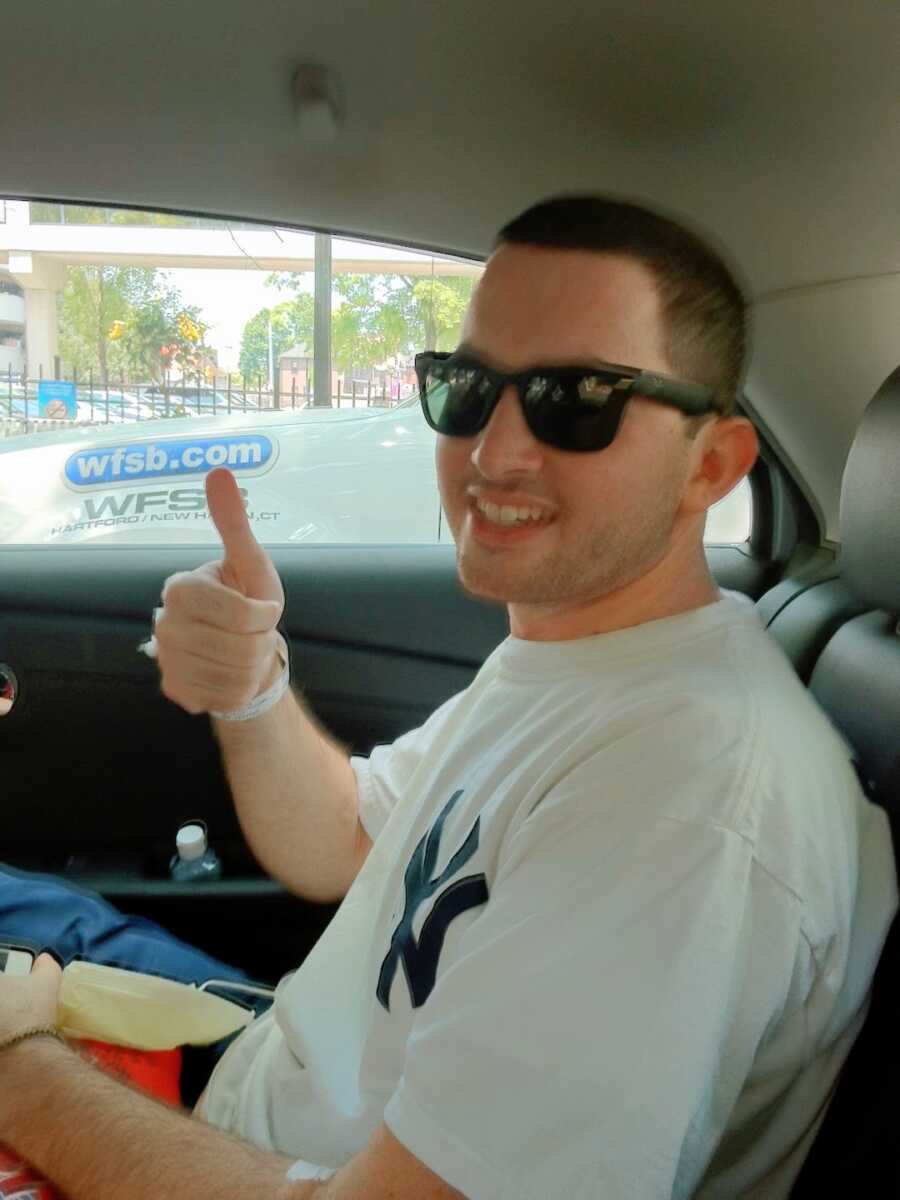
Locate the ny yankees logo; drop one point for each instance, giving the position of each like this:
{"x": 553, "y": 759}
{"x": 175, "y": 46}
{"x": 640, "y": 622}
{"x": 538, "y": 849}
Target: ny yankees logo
{"x": 420, "y": 959}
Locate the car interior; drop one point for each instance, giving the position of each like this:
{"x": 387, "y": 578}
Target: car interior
{"x": 773, "y": 130}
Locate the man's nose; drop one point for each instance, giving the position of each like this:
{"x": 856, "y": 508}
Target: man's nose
{"x": 506, "y": 445}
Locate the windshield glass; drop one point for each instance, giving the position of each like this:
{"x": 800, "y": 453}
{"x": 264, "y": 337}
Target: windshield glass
{"x": 139, "y": 350}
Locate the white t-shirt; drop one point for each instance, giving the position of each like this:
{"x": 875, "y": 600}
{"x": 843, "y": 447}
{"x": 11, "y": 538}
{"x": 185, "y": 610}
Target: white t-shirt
{"x": 613, "y": 938}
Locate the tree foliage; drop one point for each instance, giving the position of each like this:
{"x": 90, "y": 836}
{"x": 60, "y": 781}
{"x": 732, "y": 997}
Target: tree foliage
{"x": 126, "y": 321}
{"x": 292, "y": 322}
{"x": 374, "y": 318}
{"x": 88, "y": 214}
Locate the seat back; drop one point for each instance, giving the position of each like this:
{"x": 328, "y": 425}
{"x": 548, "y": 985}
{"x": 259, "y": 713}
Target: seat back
{"x": 857, "y": 680}
{"x": 805, "y": 624}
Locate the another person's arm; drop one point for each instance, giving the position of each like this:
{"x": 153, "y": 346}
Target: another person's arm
{"x": 294, "y": 789}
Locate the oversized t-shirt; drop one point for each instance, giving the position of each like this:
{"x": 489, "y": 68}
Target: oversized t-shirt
{"x": 614, "y": 937}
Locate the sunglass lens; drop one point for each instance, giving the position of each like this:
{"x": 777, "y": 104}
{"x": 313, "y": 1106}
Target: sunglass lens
{"x": 573, "y": 412}
{"x": 564, "y": 408}
{"x": 457, "y": 398}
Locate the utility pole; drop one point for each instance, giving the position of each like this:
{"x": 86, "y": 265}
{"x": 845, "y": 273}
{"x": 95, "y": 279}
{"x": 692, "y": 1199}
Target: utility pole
{"x": 322, "y": 323}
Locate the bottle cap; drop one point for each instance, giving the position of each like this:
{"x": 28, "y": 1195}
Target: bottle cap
{"x": 190, "y": 842}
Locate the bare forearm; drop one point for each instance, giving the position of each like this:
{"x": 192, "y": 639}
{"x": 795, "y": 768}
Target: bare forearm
{"x": 97, "y": 1139}
{"x": 296, "y": 798}
{"x": 216, "y": 643}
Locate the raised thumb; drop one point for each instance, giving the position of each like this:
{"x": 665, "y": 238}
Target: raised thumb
{"x": 247, "y": 568}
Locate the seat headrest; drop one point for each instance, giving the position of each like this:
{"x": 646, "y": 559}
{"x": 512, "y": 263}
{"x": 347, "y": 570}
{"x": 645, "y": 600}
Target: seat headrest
{"x": 870, "y": 502}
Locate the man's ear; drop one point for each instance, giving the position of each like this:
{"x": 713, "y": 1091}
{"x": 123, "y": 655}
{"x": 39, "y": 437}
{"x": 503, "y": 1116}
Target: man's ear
{"x": 724, "y": 451}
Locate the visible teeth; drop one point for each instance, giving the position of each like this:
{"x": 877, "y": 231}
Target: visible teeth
{"x": 508, "y": 514}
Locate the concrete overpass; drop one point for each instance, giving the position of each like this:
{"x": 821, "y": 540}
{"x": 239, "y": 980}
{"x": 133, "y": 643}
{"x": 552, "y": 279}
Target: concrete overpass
{"x": 35, "y": 256}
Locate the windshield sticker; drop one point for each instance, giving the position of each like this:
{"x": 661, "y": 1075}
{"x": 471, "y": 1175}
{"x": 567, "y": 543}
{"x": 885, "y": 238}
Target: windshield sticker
{"x": 137, "y": 461}
{"x": 150, "y": 508}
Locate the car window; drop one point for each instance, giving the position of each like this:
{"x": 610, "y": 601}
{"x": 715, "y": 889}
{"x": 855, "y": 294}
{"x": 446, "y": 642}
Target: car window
{"x": 138, "y": 350}
{"x": 730, "y": 520}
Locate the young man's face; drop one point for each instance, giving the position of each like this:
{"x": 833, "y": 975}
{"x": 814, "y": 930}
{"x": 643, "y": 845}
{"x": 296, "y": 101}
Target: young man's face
{"x": 605, "y": 517}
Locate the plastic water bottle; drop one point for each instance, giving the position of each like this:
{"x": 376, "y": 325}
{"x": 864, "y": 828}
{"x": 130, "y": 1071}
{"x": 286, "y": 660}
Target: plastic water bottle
{"x": 194, "y": 860}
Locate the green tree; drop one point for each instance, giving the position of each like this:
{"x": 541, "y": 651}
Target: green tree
{"x": 92, "y": 299}
{"x": 292, "y": 321}
{"x": 148, "y": 330}
{"x": 440, "y": 307}
{"x": 147, "y": 307}
{"x": 156, "y": 336}
{"x": 372, "y": 320}
{"x": 88, "y": 214}
{"x": 376, "y": 317}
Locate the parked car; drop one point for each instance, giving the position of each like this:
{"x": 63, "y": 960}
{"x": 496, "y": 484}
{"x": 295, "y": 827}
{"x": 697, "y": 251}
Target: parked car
{"x": 97, "y": 406}
{"x": 193, "y": 402}
{"x": 112, "y": 405}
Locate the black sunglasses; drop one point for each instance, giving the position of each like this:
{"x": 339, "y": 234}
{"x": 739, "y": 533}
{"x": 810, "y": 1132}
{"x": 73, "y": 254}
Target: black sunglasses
{"x": 571, "y": 408}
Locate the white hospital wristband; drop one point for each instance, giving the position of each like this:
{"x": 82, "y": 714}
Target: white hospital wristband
{"x": 267, "y": 699}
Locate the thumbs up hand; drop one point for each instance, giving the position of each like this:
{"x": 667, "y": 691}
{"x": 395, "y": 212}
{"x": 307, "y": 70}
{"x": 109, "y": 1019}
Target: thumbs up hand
{"x": 216, "y": 640}
{"x": 246, "y": 569}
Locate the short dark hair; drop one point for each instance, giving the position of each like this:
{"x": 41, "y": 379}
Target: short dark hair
{"x": 703, "y": 305}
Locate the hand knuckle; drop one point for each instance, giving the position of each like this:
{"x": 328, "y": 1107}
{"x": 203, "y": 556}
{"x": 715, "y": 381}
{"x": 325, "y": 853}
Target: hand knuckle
{"x": 243, "y": 618}
{"x": 254, "y": 647}
{"x": 182, "y": 695}
{"x": 225, "y": 678}
{"x": 170, "y": 691}
{"x": 164, "y": 628}
{"x": 174, "y": 586}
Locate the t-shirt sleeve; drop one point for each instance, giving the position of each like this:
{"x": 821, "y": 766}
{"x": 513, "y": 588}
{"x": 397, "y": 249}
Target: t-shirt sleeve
{"x": 598, "y": 1022}
{"x": 383, "y": 777}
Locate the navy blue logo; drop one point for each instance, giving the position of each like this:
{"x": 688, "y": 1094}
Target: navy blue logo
{"x": 420, "y": 958}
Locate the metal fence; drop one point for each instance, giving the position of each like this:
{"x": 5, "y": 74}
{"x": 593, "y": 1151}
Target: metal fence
{"x": 114, "y": 401}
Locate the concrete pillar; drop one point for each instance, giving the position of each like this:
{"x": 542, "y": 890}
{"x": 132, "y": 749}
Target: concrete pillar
{"x": 42, "y": 280}
{"x": 322, "y": 324}
{"x": 41, "y": 333}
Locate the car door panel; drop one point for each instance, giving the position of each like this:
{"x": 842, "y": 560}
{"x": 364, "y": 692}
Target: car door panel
{"x": 100, "y": 769}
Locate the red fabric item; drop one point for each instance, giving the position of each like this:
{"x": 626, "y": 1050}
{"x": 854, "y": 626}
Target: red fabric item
{"x": 19, "y": 1182}
{"x": 157, "y": 1072}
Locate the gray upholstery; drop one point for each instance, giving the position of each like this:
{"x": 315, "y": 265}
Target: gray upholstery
{"x": 804, "y": 617}
{"x": 870, "y": 503}
{"x": 857, "y": 682}
{"x": 804, "y": 626}
{"x": 857, "y": 676}
{"x": 848, "y": 653}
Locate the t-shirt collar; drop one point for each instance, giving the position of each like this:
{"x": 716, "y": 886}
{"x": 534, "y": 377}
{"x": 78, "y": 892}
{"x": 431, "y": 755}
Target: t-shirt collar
{"x": 520, "y": 656}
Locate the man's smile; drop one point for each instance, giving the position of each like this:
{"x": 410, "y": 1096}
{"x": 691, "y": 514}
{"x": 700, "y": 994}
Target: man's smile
{"x": 503, "y": 521}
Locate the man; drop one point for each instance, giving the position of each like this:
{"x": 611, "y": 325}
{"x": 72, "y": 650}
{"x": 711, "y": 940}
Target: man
{"x": 595, "y": 937}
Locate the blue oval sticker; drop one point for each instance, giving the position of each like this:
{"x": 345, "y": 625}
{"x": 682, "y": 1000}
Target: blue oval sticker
{"x": 136, "y": 462}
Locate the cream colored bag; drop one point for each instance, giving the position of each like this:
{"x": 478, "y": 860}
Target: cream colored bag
{"x": 128, "y": 1008}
